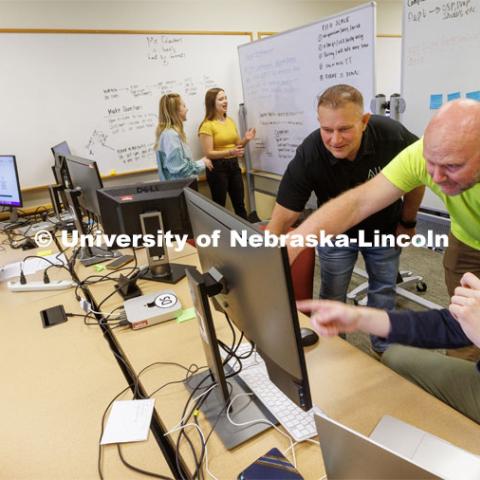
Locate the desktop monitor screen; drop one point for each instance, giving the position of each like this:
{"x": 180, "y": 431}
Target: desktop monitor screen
{"x": 121, "y": 207}
{"x": 84, "y": 175}
{"x": 259, "y": 295}
{"x": 10, "y": 194}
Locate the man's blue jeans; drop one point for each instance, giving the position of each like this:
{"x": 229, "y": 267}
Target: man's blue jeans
{"x": 381, "y": 263}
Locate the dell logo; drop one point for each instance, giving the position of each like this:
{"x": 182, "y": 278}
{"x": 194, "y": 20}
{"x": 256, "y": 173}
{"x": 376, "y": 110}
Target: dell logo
{"x": 148, "y": 188}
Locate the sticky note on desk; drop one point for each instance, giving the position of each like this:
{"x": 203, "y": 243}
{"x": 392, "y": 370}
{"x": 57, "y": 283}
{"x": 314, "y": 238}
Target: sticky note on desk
{"x": 99, "y": 267}
{"x": 186, "y": 314}
{"x": 436, "y": 101}
{"x": 129, "y": 421}
{"x": 44, "y": 253}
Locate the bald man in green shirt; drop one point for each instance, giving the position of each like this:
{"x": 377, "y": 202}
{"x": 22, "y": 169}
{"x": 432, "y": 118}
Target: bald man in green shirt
{"x": 447, "y": 160}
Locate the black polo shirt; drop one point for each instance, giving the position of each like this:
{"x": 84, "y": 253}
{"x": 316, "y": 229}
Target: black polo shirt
{"x": 315, "y": 169}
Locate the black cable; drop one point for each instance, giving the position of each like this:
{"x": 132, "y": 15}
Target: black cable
{"x": 137, "y": 469}
{"x": 231, "y": 353}
{"x": 102, "y": 427}
{"x": 182, "y": 432}
{"x": 134, "y": 388}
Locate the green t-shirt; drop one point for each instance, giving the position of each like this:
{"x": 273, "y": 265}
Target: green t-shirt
{"x": 409, "y": 170}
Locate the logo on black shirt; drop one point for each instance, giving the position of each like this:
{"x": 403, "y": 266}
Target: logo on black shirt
{"x": 373, "y": 171}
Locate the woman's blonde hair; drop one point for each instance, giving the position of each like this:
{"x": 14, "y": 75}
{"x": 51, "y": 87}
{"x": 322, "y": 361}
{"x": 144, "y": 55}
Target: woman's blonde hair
{"x": 168, "y": 116}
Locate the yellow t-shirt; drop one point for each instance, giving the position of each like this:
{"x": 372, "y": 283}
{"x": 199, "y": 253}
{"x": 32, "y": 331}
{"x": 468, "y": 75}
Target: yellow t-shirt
{"x": 224, "y": 134}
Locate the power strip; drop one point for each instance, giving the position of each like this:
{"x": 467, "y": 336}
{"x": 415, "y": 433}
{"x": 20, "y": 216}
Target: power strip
{"x": 35, "y": 286}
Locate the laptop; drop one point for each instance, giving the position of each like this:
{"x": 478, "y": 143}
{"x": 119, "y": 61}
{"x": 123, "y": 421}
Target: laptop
{"x": 396, "y": 450}
{"x": 425, "y": 449}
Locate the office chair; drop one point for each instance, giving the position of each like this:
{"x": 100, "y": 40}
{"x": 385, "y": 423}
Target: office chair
{"x": 302, "y": 271}
{"x": 404, "y": 279}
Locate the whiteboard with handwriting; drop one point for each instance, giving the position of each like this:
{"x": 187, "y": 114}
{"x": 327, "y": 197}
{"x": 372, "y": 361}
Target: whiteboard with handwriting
{"x": 440, "y": 61}
{"x": 100, "y": 93}
{"x": 283, "y": 75}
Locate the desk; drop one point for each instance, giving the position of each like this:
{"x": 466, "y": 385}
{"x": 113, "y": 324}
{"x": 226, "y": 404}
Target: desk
{"x": 346, "y": 383}
{"x": 57, "y": 383}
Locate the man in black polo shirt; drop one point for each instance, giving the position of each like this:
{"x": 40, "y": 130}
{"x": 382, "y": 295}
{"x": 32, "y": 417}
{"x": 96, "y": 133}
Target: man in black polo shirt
{"x": 349, "y": 148}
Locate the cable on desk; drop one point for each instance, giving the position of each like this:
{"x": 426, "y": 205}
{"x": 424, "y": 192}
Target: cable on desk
{"x": 102, "y": 428}
{"x": 127, "y": 464}
{"x": 262, "y": 420}
{"x": 184, "y": 418}
{"x": 231, "y": 353}
{"x": 204, "y": 442}
{"x": 137, "y": 469}
{"x": 199, "y": 400}
{"x": 134, "y": 388}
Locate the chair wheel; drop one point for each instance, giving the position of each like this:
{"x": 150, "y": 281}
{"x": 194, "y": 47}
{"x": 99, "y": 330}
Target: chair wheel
{"x": 421, "y": 287}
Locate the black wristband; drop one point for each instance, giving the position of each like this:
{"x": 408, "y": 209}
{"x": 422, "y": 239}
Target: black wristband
{"x": 409, "y": 224}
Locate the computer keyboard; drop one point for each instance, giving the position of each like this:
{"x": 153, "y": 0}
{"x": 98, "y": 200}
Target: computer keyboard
{"x": 33, "y": 228}
{"x": 299, "y": 424}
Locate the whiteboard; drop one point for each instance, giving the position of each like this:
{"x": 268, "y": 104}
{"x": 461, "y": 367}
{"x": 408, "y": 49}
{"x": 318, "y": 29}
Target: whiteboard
{"x": 283, "y": 75}
{"x": 100, "y": 93}
{"x": 441, "y": 45}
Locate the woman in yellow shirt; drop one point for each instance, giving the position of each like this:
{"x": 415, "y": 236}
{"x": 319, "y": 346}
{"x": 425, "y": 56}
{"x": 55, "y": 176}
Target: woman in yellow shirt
{"x": 222, "y": 145}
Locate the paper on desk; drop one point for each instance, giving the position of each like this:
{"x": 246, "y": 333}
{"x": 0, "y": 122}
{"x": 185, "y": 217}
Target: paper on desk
{"x": 30, "y": 266}
{"x": 129, "y": 421}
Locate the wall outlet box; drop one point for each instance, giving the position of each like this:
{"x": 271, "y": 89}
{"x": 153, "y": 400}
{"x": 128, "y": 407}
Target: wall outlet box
{"x": 150, "y": 309}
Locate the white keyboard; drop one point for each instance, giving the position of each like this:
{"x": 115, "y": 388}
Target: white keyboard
{"x": 299, "y": 424}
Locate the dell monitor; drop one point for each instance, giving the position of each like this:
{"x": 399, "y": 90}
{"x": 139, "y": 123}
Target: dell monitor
{"x": 10, "y": 193}
{"x": 147, "y": 209}
{"x": 253, "y": 286}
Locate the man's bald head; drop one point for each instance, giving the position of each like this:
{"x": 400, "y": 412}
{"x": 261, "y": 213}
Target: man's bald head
{"x": 451, "y": 146}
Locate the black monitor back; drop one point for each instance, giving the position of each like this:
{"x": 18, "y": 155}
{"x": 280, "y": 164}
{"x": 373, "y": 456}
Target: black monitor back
{"x": 260, "y": 299}
{"x": 120, "y": 207}
{"x": 84, "y": 174}
{"x": 61, "y": 149}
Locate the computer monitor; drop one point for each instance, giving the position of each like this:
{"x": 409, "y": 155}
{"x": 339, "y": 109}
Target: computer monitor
{"x": 10, "y": 193}
{"x": 59, "y": 168}
{"x": 256, "y": 294}
{"x": 61, "y": 149}
{"x": 85, "y": 177}
{"x": 350, "y": 455}
{"x": 85, "y": 180}
{"x": 146, "y": 208}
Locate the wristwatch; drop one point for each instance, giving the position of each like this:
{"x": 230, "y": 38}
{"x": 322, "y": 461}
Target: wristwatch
{"x": 408, "y": 224}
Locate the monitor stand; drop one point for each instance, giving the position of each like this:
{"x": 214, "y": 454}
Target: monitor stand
{"x": 214, "y": 406}
{"x": 173, "y": 273}
{"x": 87, "y": 255}
{"x": 93, "y": 255}
{"x": 159, "y": 268}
